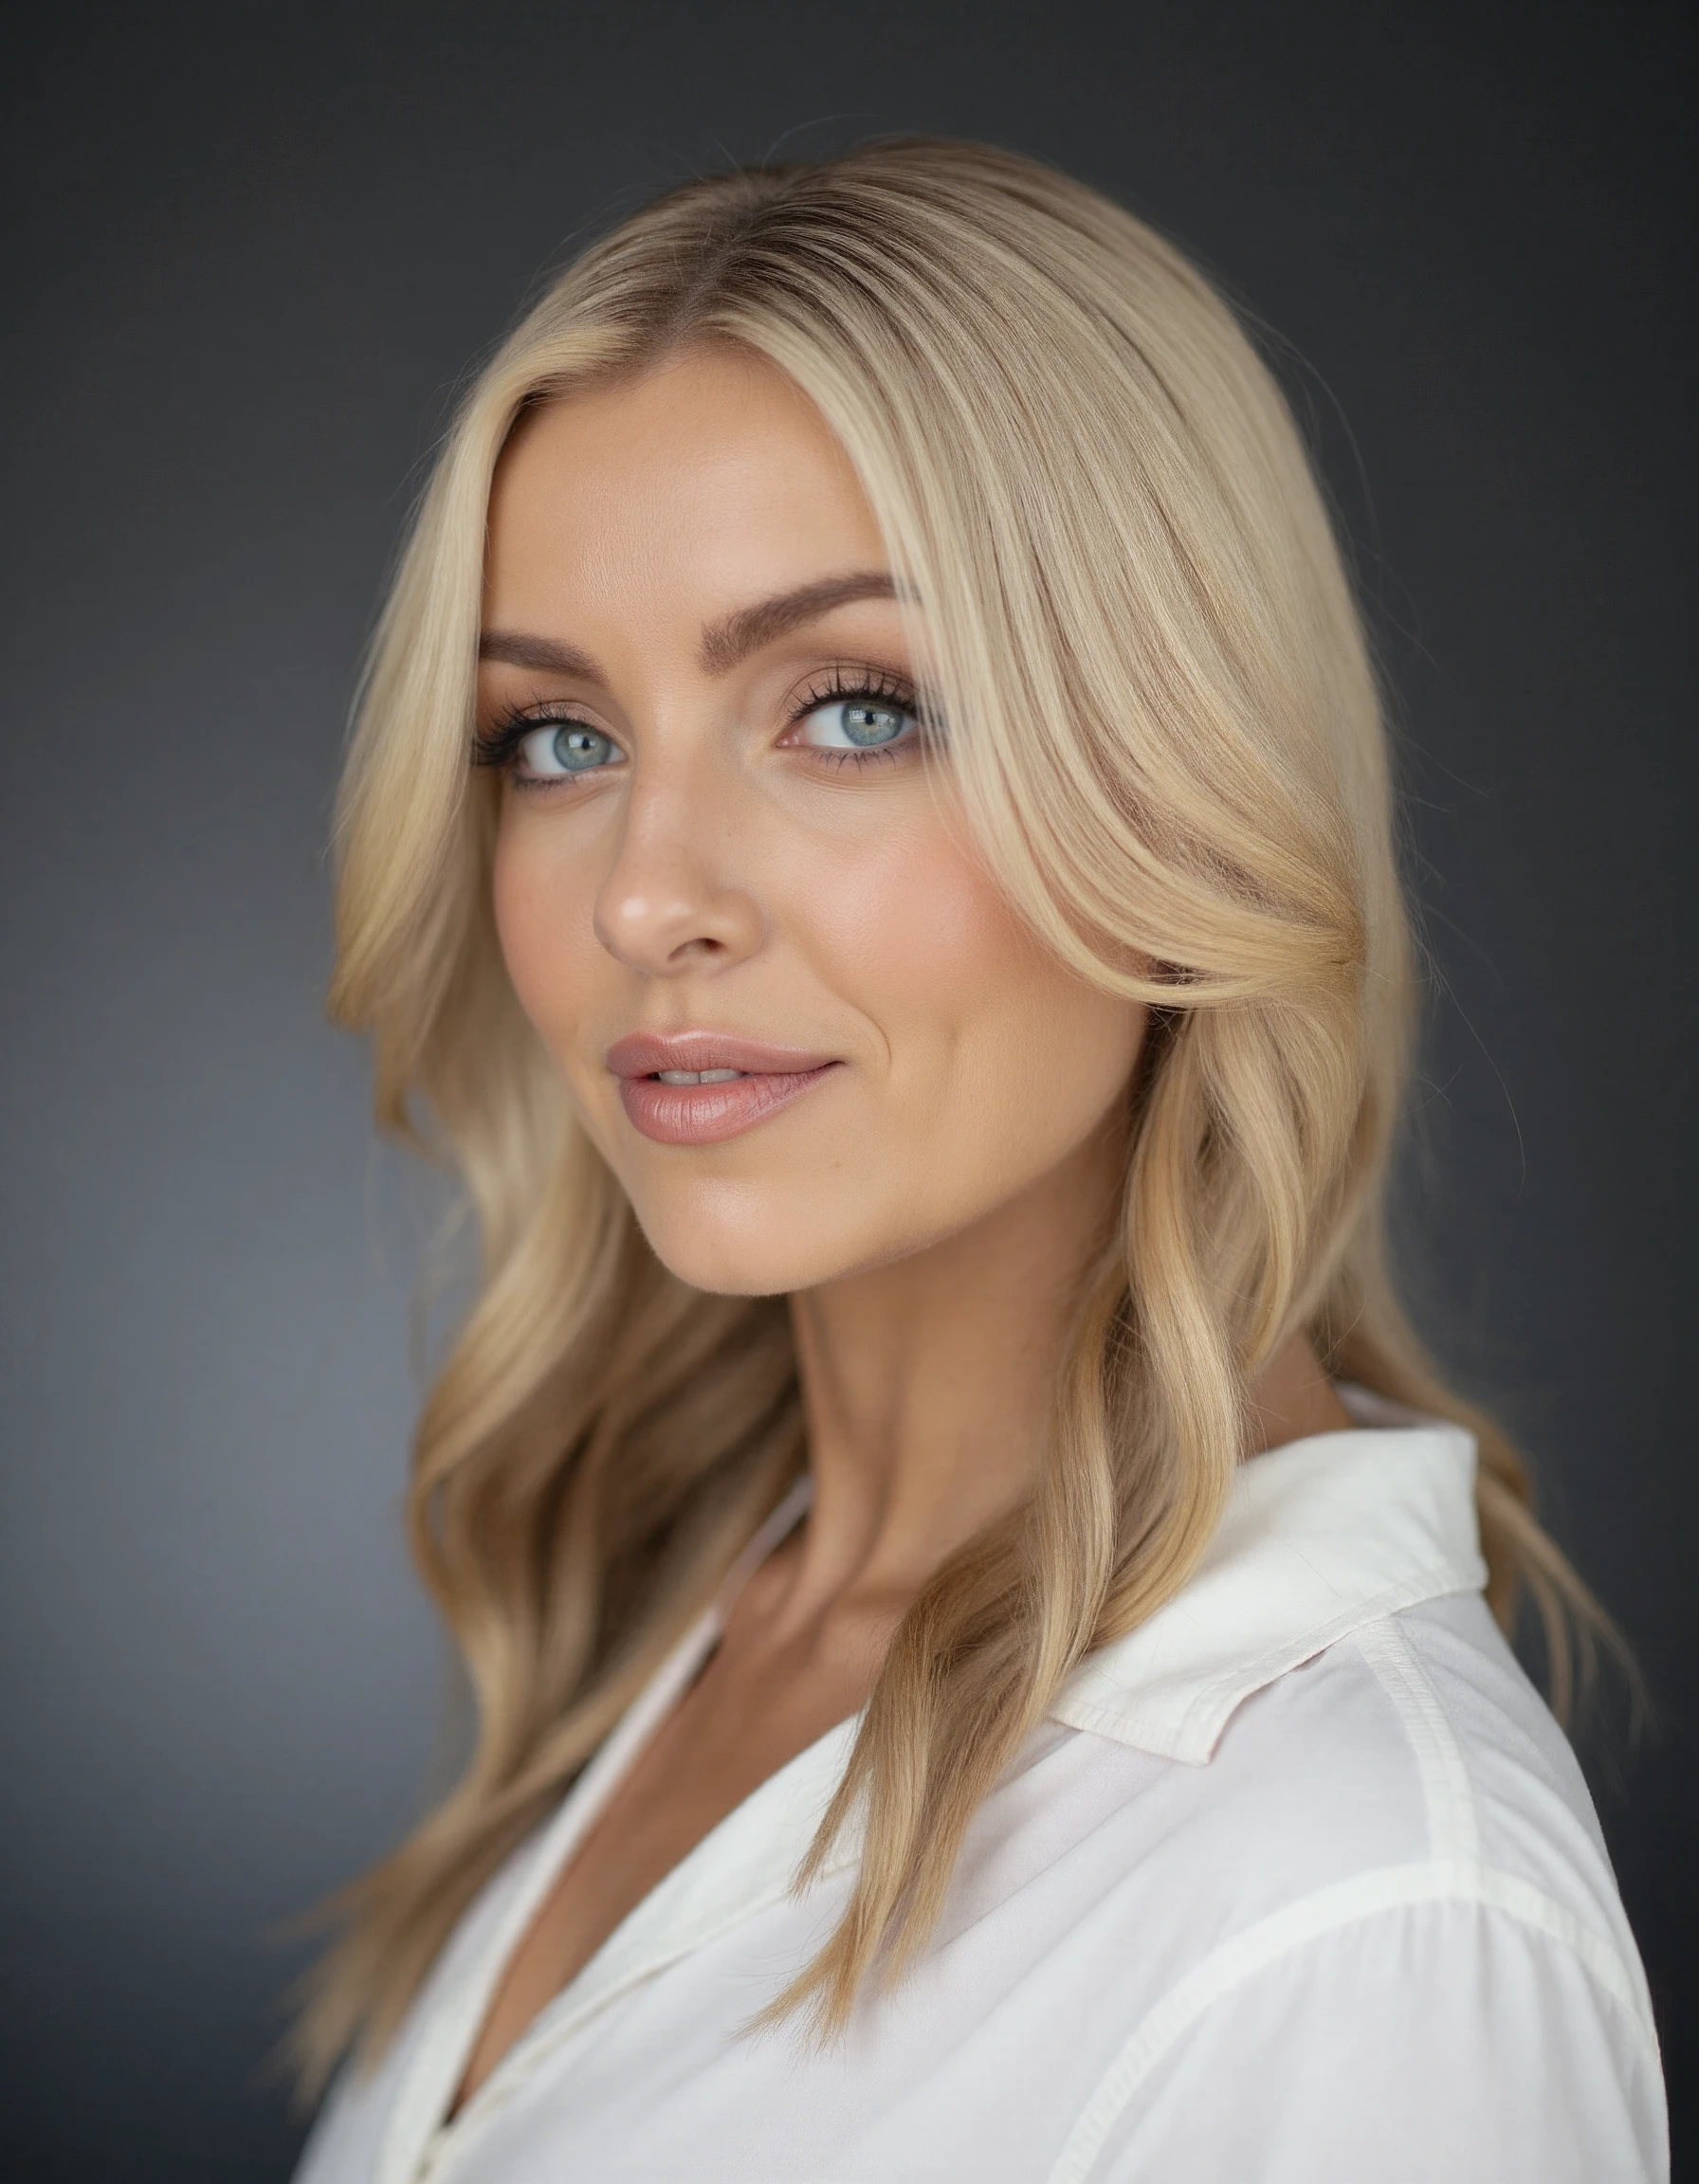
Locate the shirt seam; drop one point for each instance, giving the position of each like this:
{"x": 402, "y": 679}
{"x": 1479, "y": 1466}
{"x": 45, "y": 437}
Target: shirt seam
{"x": 1440, "y": 1882}
{"x": 1447, "y": 1795}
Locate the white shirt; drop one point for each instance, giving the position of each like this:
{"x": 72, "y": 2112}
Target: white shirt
{"x": 1299, "y": 1884}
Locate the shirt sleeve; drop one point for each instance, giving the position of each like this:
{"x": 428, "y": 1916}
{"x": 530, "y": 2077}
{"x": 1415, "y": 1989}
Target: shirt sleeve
{"x": 1440, "y": 2043}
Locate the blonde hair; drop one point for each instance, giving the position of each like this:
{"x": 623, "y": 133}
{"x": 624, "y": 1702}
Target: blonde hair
{"x": 1166, "y": 731}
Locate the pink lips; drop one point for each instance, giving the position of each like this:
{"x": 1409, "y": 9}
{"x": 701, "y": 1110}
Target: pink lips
{"x": 692, "y": 1112}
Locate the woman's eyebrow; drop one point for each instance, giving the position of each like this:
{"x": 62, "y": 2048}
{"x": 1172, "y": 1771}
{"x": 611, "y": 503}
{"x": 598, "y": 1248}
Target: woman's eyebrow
{"x": 548, "y": 655}
{"x": 734, "y": 636}
{"x": 724, "y": 642}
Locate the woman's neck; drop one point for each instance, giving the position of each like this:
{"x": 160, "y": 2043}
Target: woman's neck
{"x": 929, "y": 1385}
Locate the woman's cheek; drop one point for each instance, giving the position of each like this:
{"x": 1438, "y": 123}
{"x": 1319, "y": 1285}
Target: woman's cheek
{"x": 544, "y": 920}
{"x": 991, "y": 1042}
{"x": 902, "y": 919}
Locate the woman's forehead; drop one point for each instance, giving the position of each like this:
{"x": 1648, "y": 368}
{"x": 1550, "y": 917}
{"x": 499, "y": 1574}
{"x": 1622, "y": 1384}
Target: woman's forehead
{"x": 710, "y": 486}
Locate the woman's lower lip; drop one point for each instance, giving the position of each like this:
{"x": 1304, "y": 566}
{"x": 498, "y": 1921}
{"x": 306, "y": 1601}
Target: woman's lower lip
{"x": 707, "y": 1114}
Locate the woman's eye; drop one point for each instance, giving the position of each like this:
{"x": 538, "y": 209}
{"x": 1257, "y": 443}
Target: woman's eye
{"x": 563, "y": 747}
{"x": 856, "y": 724}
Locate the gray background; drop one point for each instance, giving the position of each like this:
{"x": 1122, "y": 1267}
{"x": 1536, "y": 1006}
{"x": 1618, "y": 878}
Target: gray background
{"x": 247, "y": 250}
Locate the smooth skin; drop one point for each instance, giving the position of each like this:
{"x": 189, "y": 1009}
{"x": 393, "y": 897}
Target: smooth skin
{"x": 713, "y": 854}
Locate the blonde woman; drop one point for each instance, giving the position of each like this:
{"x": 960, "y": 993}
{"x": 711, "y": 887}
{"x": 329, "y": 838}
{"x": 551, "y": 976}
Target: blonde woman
{"x": 869, "y": 845}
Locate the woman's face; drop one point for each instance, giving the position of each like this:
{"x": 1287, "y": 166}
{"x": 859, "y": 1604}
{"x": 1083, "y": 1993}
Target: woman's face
{"x": 794, "y": 1012}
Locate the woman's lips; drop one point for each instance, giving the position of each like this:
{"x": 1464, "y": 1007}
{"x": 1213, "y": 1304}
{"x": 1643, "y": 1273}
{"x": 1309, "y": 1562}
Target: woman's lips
{"x": 662, "y": 1090}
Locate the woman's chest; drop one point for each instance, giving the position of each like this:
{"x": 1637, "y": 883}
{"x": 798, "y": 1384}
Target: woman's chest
{"x": 731, "y": 1732}
{"x": 645, "y": 2065}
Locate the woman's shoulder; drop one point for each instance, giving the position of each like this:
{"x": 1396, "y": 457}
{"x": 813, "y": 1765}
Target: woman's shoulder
{"x": 1388, "y": 1870}
{"x": 1334, "y": 1700}
{"x": 1418, "y": 1745}
{"x": 1411, "y": 1759}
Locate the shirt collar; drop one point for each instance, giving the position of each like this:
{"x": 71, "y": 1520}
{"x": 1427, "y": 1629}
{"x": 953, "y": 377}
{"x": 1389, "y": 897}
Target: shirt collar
{"x": 1319, "y": 1538}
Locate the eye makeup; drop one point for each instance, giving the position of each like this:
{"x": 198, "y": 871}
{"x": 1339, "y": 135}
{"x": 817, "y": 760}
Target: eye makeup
{"x": 879, "y": 719}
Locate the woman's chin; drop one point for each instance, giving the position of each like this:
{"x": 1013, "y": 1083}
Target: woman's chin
{"x": 793, "y": 1248}
{"x": 734, "y": 1262}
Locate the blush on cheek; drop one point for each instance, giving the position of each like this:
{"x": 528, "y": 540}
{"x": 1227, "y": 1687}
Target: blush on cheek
{"x": 1004, "y": 1056}
{"x": 925, "y": 940}
{"x": 538, "y": 924}
{"x": 515, "y": 923}
{"x": 908, "y": 904}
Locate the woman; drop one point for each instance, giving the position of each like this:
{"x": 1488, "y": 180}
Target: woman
{"x": 868, "y": 844}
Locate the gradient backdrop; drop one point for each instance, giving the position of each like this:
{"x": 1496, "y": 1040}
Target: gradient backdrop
{"x": 247, "y": 252}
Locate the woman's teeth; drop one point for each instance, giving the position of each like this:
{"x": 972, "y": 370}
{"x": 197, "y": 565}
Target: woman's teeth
{"x": 699, "y": 1076}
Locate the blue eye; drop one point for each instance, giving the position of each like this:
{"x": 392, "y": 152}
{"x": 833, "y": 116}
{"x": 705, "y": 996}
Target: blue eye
{"x": 857, "y": 725}
{"x": 565, "y": 747}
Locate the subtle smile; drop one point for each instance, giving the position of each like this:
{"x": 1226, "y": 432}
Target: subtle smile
{"x": 702, "y": 1088}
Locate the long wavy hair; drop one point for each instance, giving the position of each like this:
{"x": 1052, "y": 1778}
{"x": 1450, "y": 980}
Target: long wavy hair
{"x": 1167, "y": 737}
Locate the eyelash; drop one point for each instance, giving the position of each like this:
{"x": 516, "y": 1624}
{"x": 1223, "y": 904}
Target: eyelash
{"x": 497, "y": 746}
{"x": 879, "y": 687}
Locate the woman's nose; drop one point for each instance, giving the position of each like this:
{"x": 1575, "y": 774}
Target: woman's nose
{"x": 673, "y": 899}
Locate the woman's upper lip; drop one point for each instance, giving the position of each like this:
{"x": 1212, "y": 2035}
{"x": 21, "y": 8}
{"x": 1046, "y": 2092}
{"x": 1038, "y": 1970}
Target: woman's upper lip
{"x": 646, "y": 1053}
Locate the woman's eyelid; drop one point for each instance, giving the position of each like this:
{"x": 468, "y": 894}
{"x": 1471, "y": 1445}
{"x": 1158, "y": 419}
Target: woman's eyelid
{"x": 514, "y": 721}
{"x": 562, "y": 713}
{"x": 847, "y": 682}
{"x": 848, "y": 678}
